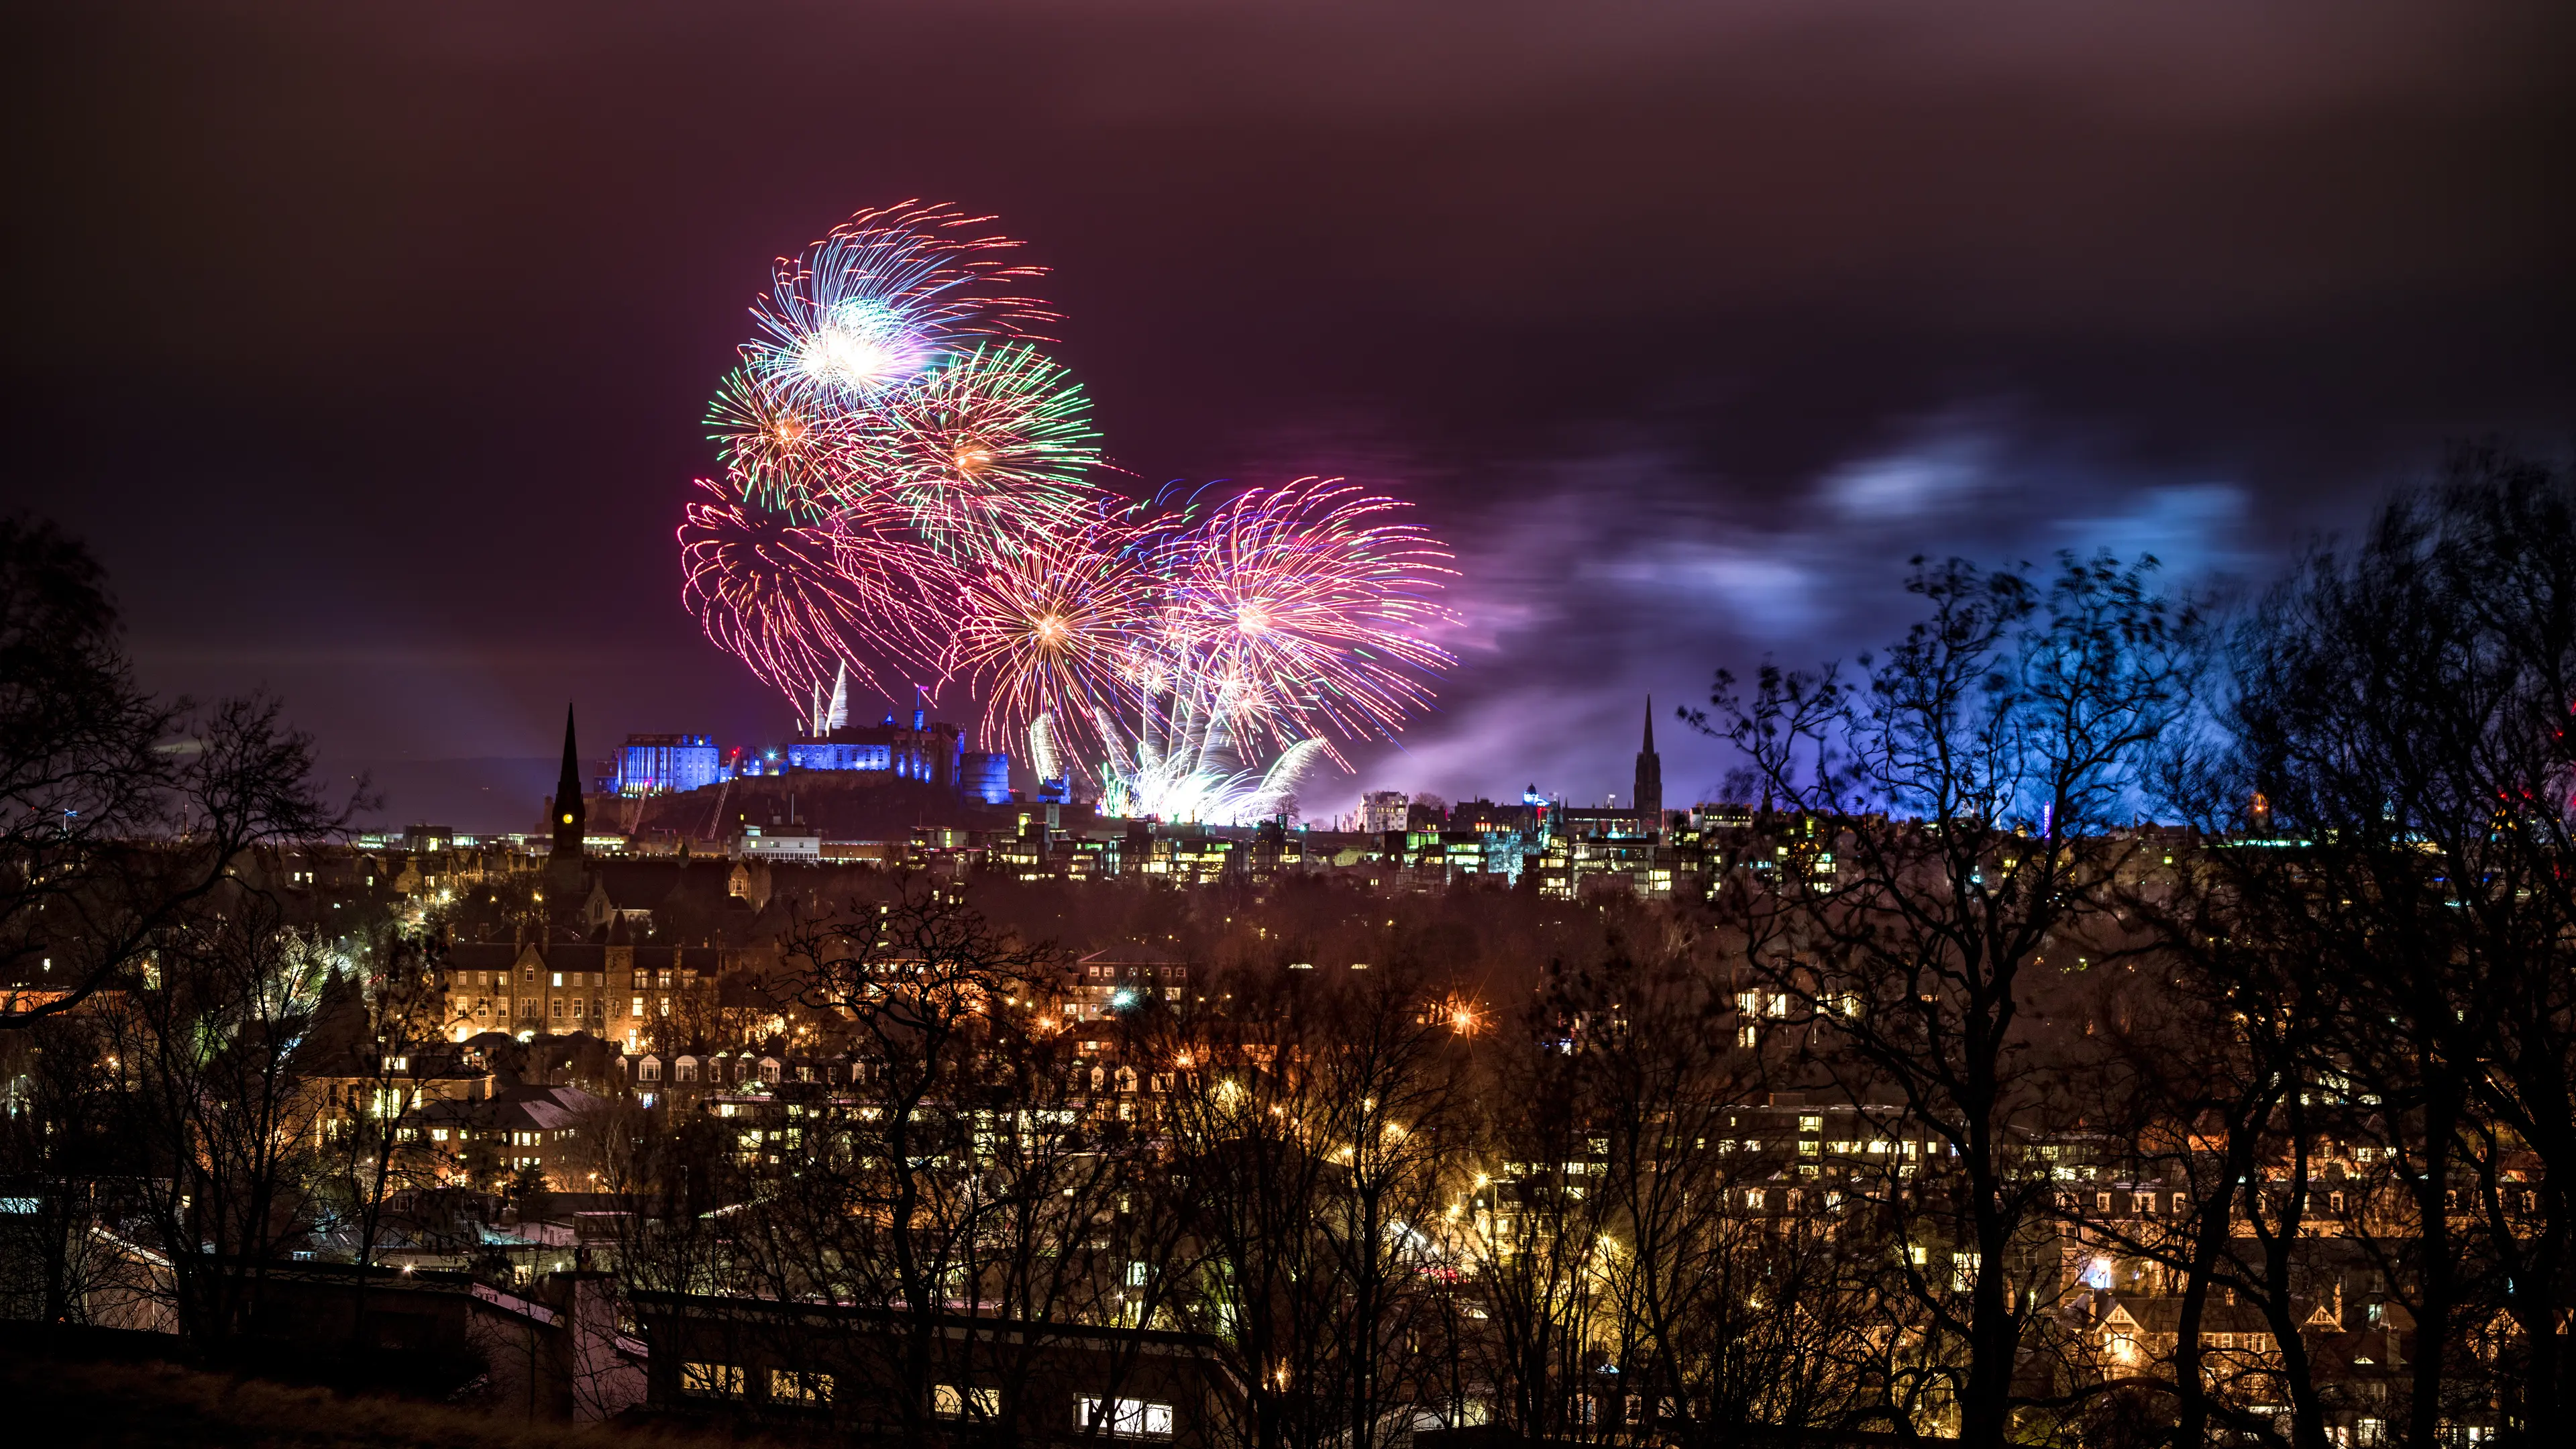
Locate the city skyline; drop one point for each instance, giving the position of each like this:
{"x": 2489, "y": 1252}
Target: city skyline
{"x": 1300, "y": 724}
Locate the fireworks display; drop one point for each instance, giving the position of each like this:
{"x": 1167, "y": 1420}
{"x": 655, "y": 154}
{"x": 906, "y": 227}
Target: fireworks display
{"x": 908, "y": 498}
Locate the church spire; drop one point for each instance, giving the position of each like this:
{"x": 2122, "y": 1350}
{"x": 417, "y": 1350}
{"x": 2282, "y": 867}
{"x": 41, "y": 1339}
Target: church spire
{"x": 569, "y": 814}
{"x": 1648, "y": 801}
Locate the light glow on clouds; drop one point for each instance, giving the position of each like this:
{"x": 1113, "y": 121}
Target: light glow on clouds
{"x": 1911, "y": 483}
{"x": 1636, "y": 571}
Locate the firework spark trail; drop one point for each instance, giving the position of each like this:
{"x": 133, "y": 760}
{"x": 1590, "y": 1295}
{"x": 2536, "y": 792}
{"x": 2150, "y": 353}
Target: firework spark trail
{"x": 888, "y": 294}
{"x": 1051, "y": 629}
{"x": 990, "y": 450}
{"x": 1301, "y": 604}
{"x": 786, "y": 452}
{"x": 907, "y": 494}
{"x": 795, "y": 602}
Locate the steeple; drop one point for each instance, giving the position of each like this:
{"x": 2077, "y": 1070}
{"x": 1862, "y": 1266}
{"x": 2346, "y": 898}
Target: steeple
{"x": 569, "y": 814}
{"x": 1648, "y": 800}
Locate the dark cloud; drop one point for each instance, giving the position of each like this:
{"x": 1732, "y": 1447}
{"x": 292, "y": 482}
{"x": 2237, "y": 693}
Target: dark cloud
{"x": 370, "y": 345}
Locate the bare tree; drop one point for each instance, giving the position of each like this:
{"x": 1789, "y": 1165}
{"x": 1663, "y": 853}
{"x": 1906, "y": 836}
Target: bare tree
{"x": 2010, "y": 726}
{"x": 211, "y": 1094}
{"x": 60, "y": 1157}
{"x": 1532, "y": 1231}
{"x": 2398, "y": 727}
{"x": 383, "y": 1057}
{"x": 2214, "y": 1083}
{"x": 931, "y": 1189}
{"x": 1725, "y": 1321}
{"x": 119, "y": 813}
{"x": 1317, "y": 1127}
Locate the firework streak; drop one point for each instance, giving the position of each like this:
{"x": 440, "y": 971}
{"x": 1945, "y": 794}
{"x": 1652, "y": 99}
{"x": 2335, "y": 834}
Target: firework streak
{"x": 908, "y": 495}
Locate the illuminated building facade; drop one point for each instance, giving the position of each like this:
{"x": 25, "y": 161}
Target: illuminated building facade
{"x": 668, "y": 764}
{"x": 1382, "y": 811}
{"x": 927, "y": 750}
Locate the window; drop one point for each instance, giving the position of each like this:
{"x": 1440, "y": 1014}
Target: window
{"x": 711, "y": 1380}
{"x": 951, "y": 1402}
{"x": 639, "y": 1007}
{"x": 1127, "y": 1418}
{"x": 792, "y": 1386}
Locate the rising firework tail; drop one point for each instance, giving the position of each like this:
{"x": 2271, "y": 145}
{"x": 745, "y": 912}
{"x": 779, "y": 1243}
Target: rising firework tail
{"x": 908, "y": 494}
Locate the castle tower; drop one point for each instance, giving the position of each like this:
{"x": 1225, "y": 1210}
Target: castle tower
{"x": 1648, "y": 801}
{"x": 569, "y": 813}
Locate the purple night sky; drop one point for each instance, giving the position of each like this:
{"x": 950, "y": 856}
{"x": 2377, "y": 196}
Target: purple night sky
{"x": 369, "y": 347}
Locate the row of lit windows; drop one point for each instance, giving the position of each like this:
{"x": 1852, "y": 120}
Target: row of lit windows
{"x": 529, "y": 1007}
{"x": 528, "y": 974}
{"x": 1127, "y": 1418}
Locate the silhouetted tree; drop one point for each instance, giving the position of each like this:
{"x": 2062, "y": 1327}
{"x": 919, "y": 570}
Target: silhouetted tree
{"x": 1966, "y": 789}
{"x": 2397, "y": 728}
{"x": 119, "y": 813}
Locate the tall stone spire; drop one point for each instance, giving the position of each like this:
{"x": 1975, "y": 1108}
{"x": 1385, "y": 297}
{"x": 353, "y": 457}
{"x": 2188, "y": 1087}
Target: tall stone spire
{"x": 1648, "y": 800}
{"x": 569, "y": 814}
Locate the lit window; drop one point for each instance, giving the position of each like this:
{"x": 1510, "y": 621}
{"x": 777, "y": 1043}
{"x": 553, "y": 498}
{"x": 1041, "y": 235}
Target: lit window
{"x": 711, "y": 1380}
{"x": 1127, "y": 1418}
{"x": 951, "y": 1402}
{"x": 789, "y": 1386}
